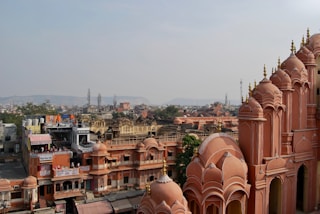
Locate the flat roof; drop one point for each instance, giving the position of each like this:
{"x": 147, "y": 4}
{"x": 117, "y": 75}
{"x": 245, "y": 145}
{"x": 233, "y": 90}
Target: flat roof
{"x": 12, "y": 170}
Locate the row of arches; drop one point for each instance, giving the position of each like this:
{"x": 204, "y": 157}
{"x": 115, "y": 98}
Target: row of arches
{"x": 275, "y": 205}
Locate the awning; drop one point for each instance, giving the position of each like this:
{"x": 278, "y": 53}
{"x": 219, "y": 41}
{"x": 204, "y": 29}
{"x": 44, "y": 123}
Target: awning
{"x": 99, "y": 207}
{"x": 122, "y": 205}
{"x": 40, "y": 139}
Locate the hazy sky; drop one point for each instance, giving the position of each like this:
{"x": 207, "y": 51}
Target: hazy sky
{"x": 156, "y": 49}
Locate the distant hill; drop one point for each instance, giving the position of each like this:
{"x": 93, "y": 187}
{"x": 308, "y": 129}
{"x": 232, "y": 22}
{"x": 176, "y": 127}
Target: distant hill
{"x": 70, "y": 100}
{"x": 198, "y": 102}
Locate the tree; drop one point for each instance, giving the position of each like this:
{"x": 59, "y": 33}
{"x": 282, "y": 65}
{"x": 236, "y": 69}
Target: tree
{"x": 169, "y": 113}
{"x": 33, "y": 109}
{"x": 189, "y": 143}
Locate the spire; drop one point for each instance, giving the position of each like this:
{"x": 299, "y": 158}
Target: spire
{"x": 164, "y": 169}
{"x": 264, "y": 71}
{"x": 250, "y": 90}
{"x": 302, "y": 42}
{"x": 255, "y": 83}
{"x": 247, "y": 99}
{"x": 272, "y": 70}
{"x": 148, "y": 189}
{"x": 279, "y": 64}
{"x": 308, "y": 36}
{"x": 195, "y": 152}
{"x": 292, "y": 49}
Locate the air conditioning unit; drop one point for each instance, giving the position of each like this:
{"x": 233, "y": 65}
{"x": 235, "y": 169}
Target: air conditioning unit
{"x": 16, "y": 187}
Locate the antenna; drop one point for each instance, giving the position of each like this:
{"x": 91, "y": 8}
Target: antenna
{"x": 241, "y": 95}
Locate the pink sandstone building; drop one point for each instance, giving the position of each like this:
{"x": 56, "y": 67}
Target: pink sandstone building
{"x": 274, "y": 166}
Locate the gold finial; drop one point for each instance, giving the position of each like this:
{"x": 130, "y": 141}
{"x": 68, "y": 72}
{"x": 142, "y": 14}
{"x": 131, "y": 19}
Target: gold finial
{"x": 255, "y": 83}
{"x": 196, "y": 152}
{"x": 241, "y": 99}
{"x": 219, "y": 128}
{"x": 272, "y": 70}
{"x": 164, "y": 169}
{"x": 148, "y": 189}
{"x": 279, "y": 63}
{"x": 308, "y": 36}
{"x": 302, "y": 42}
{"x": 292, "y": 47}
{"x": 250, "y": 90}
{"x": 247, "y": 100}
{"x": 264, "y": 71}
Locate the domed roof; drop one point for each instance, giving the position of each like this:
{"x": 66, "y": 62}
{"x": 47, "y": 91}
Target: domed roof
{"x": 214, "y": 147}
{"x": 218, "y": 169}
{"x": 150, "y": 142}
{"x": 281, "y": 79}
{"x": 5, "y": 185}
{"x": 306, "y": 56}
{"x": 29, "y": 182}
{"x": 314, "y": 44}
{"x": 251, "y": 109}
{"x": 163, "y": 195}
{"x": 140, "y": 145}
{"x": 267, "y": 94}
{"x": 295, "y": 68}
{"x": 164, "y": 189}
{"x": 232, "y": 166}
{"x": 177, "y": 121}
{"x": 99, "y": 148}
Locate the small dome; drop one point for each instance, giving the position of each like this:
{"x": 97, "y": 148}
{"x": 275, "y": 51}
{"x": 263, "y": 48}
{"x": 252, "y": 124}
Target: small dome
{"x": 163, "y": 196}
{"x": 251, "y": 109}
{"x": 232, "y": 166}
{"x": 5, "y": 185}
{"x": 164, "y": 189}
{"x": 212, "y": 173}
{"x": 214, "y": 147}
{"x": 314, "y": 44}
{"x": 99, "y": 148}
{"x": 30, "y": 182}
{"x": 177, "y": 121}
{"x": 295, "y": 68}
{"x": 306, "y": 56}
{"x": 140, "y": 145}
{"x": 281, "y": 79}
{"x": 267, "y": 94}
{"x": 150, "y": 142}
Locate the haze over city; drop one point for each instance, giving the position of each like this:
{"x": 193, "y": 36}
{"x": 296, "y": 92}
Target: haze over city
{"x": 160, "y": 50}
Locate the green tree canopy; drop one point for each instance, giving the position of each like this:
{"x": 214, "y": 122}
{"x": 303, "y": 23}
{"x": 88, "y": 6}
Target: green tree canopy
{"x": 189, "y": 143}
{"x": 169, "y": 113}
{"x": 33, "y": 109}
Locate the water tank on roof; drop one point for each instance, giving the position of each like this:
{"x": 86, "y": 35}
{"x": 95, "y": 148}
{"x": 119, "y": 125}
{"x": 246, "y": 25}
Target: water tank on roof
{"x": 35, "y": 122}
{"x": 29, "y": 122}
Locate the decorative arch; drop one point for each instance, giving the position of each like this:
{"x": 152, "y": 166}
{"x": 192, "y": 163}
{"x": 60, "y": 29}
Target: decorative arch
{"x": 234, "y": 207}
{"x": 302, "y": 186}
{"x": 275, "y": 193}
{"x": 194, "y": 207}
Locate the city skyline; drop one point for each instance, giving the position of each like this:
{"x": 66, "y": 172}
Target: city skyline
{"x": 157, "y": 50}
